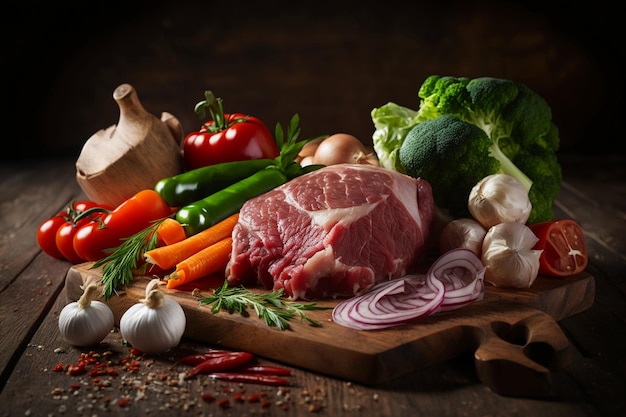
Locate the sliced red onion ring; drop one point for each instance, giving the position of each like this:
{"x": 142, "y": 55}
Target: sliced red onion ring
{"x": 453, "y": 281}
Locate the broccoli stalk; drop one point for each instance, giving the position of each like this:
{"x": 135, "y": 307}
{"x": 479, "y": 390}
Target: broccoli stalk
{"x": 508, "y": 167}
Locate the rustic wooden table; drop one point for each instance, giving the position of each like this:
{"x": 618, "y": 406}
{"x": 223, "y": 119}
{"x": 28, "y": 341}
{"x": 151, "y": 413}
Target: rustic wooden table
{"x": 32, "y": 294}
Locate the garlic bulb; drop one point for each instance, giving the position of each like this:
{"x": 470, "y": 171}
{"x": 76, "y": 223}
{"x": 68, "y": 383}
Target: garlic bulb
{"x": 499, "y": 198}
{"x": 509, "y": 257}
{"x": 86, "y": 322}
{"x": 462, "y": 233}
{"x": 155, "y": 324}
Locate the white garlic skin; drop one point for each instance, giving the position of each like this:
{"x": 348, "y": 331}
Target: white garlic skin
{"x": 499, "y": 198}
{"x": 462, "y": 233}
{"x": 153, "y": 330}
{"x": 85, "y": 326}
{"x": 509, "y": 256}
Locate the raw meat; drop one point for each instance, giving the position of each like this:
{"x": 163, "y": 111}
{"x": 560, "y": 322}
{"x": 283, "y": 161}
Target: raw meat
{"x": 334, "y": 232}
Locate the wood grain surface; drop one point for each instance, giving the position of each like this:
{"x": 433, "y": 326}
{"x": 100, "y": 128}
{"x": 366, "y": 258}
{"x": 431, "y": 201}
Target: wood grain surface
{"x": 509, "y": 330}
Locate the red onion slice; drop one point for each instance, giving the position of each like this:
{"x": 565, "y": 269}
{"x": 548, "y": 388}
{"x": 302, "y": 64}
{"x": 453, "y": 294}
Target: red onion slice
{"x": 453, "y": 281}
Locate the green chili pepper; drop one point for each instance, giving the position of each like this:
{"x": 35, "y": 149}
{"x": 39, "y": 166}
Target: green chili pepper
{"x": 208, "y": 211}
{"x": 196, "y": 184}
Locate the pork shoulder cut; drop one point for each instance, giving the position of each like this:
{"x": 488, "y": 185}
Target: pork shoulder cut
{"x": 334, "y": 232}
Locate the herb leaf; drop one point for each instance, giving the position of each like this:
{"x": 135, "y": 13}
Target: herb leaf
{"x": 270, "y": 307}
{"x": 123, "y": 260}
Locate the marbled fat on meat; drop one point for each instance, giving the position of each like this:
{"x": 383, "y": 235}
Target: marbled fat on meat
{"x": 334, "y": 232}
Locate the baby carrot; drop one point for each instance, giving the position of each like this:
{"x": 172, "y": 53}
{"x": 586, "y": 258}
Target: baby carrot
{"x": 171, "y": 231}
{"x": 201, "y": 264}
{"x": 167, "y": 257}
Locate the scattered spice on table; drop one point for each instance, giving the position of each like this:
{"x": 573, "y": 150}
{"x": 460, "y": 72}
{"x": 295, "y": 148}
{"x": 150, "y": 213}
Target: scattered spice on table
{"x": 108, "y": 379}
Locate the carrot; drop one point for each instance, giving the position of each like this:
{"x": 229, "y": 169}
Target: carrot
{"x": 167, "y": 257}
{"x": 171, "y": 231}
{"x": 201, "y": 264}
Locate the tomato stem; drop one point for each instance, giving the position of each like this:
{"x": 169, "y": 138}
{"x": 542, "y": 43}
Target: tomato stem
{"x": 216, "y": 111}
{"x": 75, "y": 216}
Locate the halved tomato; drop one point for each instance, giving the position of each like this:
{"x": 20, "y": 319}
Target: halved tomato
{"x": 564, "y": 248}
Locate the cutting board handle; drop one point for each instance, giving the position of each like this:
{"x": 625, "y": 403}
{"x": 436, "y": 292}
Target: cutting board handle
{"x": 515, "y": 358}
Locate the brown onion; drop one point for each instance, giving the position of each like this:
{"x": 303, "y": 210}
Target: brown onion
{"x": 308, "y": 151}
{"x": 342, "y": 148}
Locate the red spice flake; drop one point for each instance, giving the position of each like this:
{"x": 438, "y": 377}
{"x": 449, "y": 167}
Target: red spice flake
{"x": 223, "y": 403}
{"x": 255, "y": 397}
{"x": 123, "y": 402}
{"x": 239, "y": 396}
{"x": 59, "y": 367}
{"x": 74, "y": 387}
{"x": 163, "y": 377}
{"x": 97, "y": 372}
{"x": 315, "y": 408}
{"x": 57, "y": 391}
{"x": 207, "y": 397}
{"x": 76, "y": 369}
{"x": 266, "y": 403}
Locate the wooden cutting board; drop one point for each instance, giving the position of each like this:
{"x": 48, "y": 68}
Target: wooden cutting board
{"x": 514, "y": 334}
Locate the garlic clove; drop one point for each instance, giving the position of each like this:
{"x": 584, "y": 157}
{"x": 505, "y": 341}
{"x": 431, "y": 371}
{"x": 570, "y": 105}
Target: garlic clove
{"x": 499, "y": 198}
{"x": 155, "y": 324}
{"x": 509, "y": 257}
{"x": 462, "y": 233}
{"x": 86, "y": 322}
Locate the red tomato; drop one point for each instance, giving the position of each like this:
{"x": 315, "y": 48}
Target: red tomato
{"x": 65, "y": 241}
{"x": 46, "y": 235}
{"x": 57, "y": 243}
{"x": 564, "y": 249}
{"x": 93, "y": 240}
{"x": 226, "y": 137}
{"x": 240, "y": 138}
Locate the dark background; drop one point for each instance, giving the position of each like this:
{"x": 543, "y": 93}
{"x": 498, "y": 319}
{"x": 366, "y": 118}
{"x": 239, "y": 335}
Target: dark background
{"x": 331, "y": 62}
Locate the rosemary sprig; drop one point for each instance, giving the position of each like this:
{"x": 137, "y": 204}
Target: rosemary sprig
{"x": 270, "y": 307}
{"x": 123, "y": 260}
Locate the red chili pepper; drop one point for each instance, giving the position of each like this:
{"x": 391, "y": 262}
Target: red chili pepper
{"x": 250, "y": 378}
{"x": 198, "y": 358}
{"x": 220, "y": 363}
{"x": 264, "y": 369}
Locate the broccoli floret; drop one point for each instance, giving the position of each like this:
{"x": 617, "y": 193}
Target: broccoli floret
{"x": 516, "y": 119}
{"x": 450, "y": 142}
{"x": 443, "y": 95}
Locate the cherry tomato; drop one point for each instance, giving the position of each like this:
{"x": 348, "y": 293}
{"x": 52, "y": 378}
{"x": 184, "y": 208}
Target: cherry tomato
{"x": 65, "y": 241}
{"x": 46, "y": 235}
{"x": 71, "y": 218}
{"x": 92, "y": 241}
{"x": 564, "y": 249}
{"x": 227, "y": 138}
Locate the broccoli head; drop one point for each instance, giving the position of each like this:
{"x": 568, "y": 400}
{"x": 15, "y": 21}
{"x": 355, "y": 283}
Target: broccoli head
{"x": 517, "y": 121}
{"x": 452, "y": 155}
